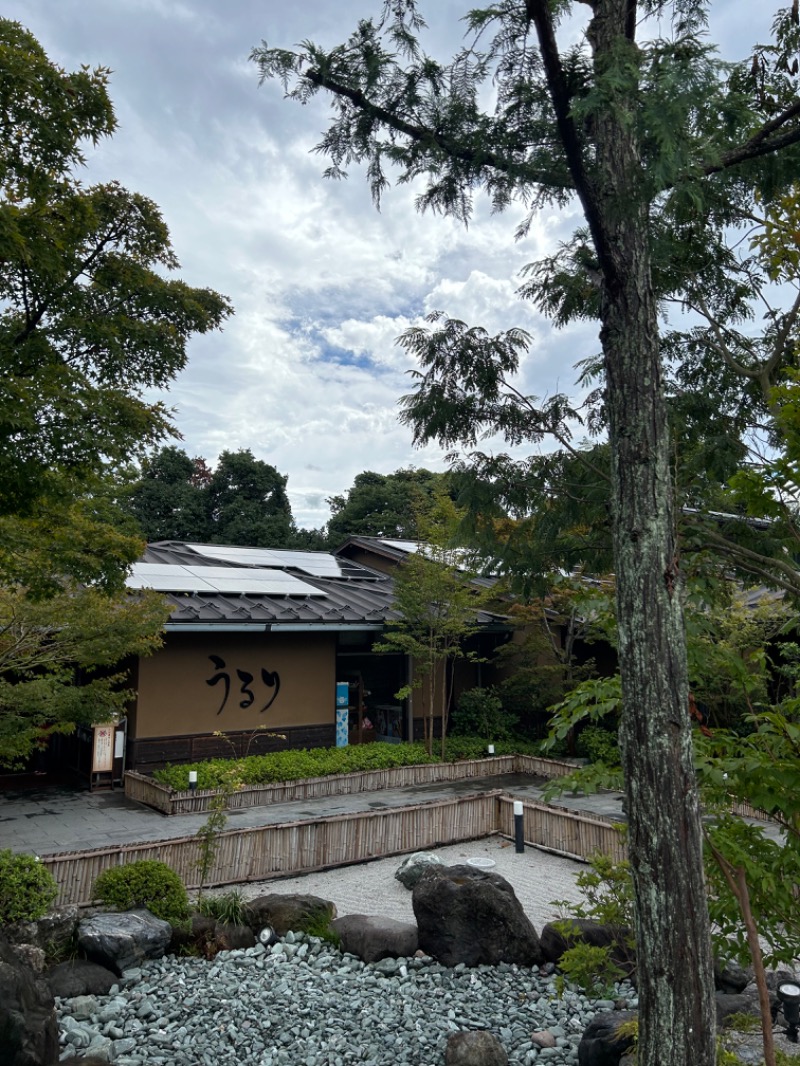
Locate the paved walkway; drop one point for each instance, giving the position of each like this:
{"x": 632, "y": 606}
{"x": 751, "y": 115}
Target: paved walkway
{"x": 52, "y": 819}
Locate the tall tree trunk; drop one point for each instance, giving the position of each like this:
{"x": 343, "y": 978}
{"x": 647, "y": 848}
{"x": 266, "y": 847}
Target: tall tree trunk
{"x": 676, "y": 991}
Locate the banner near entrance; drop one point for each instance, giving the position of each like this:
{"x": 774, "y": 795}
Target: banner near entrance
{"x": 342, "y": 712}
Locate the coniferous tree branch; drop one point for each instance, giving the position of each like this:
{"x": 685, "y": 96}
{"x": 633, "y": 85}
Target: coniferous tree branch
{"x": 424, "y": 135}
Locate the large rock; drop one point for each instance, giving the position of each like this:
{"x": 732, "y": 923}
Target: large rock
{"x": 474, "y": 1049}
{"x": 198, "y": 932}
{"x": 122, "y": 941}
{"x": 28, "y": 1026}
{"x": 233, "y": 937}
{"x": 373, "y": 939}
{"x": 728, "y": 1003}
{"x": 555, "y": 942}
{"x": 414, "y": 866}
{"x": 601, "y": 1043}
{"x": 472, "y": 916}
{"x": 79, "y": 977}
{"x": 54, "y": 932}
{"x": 730, "y": 977}
{"x": 284, "y": 912}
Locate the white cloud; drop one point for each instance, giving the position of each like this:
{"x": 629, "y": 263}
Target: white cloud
{"x": 307, "y": 375}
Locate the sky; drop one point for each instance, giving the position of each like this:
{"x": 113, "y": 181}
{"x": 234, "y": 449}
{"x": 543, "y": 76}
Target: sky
{"x": 307, "y": 374}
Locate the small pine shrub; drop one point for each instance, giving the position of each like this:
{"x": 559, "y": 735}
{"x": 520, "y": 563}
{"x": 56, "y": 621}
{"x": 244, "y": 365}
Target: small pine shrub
{"x": 149, "y": 884}
{"x": 27, "y": 889}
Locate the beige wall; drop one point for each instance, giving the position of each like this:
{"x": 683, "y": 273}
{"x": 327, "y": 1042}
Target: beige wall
{"x": 174, "y": 698}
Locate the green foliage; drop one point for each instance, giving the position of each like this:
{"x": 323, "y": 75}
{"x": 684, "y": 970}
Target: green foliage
{"x": 318, "y": 924}
{"x": 168, "y": 499}
{"x": 247, "y": 503}
{"x": 40, "y": 643}
{"x": 607, "y": 888}
{"x": 91, "y": 325}
{"x": 590, "y": 967}
{"x": 242, "y": 501}
{"x": 294, "y": 765}
{"x": 90, "y": 320}
{"x": 27, "y": 889}
{"x": 479, "y": 712}
{"x": 228, "y": 908}
{"x": 148, "y": 884}
{"x": 383, "y": 505}
{"x": 743, "y": 1023}
{"x": 437, "y": 604}
{"x": 598, "y": 744}
{"x": 772, "y": 870}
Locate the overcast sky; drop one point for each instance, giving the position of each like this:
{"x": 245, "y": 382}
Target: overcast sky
{"x": 307, "y": 374}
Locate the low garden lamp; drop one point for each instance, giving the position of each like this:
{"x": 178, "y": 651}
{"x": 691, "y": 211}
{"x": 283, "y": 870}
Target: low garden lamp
{"x": 789, "y": 999}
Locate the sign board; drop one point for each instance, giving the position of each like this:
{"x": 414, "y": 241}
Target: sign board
{"x": 103, "y": 749}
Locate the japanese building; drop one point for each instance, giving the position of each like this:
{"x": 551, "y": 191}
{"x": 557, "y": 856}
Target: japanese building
{"x": 259, "y": 640}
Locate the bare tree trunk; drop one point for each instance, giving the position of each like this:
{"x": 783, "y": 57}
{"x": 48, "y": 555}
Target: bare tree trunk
{"x": 737, "y": 883}
{"x": 676, "y": 991}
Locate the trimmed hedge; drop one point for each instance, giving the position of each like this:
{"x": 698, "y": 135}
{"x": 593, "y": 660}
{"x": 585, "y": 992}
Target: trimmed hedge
{"x": 26, "y": 888}
{"x": 147, "y": 883}
{"x": 294, "y": 765}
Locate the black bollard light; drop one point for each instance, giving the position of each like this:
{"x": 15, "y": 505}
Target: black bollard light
{"x": 192, "y": 780}
{"x": 789, "y": 999}
{"x": 519, "y": 829}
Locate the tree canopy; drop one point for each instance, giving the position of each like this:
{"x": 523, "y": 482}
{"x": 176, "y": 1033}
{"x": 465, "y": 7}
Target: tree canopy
{"x": 242, "y": 500}
{"x": 89, "y": 318}
{"x": 383, "y": 505}
{"x": 666, "y": 149}
{"x": 90, "y": 323}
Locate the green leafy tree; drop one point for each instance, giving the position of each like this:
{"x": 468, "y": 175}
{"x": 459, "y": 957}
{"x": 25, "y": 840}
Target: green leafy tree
{"x": 382, "y": 505}
{"x": 168, "y": 501}
{"x": 664, "y": 148}
{"x": 60, "y": 661}
{"x": 437, "y": 603}
{"x": 247, "y": 503}
{"x": 90, "y": 321}
{"x": 89, "y": 318}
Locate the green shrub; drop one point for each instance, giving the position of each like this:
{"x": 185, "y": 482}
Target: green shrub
{"x": 149, "y": 884}
{"x": 590, "y": 967}
{"x": 26, "y": 888}
{"x": 480, "y": 713}
{"x": 598, "y": 745}
{"x": 322, "y": 762}
{"x": 227, "y": 908}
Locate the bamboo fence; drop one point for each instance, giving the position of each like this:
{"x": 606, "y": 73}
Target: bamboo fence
{"x": 561, "y": 830}
{"x": 145, "y": 790}
{"x": 291, "y": 848}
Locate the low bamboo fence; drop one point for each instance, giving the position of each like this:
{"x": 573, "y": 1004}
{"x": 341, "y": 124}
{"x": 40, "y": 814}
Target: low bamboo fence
{"x": 558, "y": 829}
{"x": 290, "y": 848}
{"x": 145, "y": 790}
{"x": 301, "y": 847}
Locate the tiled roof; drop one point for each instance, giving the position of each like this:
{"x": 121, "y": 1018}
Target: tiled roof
{"x": 356, "y": 596}
{"x": 359, "y": 597}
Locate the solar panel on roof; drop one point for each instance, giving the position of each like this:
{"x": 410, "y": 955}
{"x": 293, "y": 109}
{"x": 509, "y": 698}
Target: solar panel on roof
{"x": 245, "y": 556}
{"x": 315, "y": 564}
{"x": 403, "y": 545}
{"x": 166, "y": 577}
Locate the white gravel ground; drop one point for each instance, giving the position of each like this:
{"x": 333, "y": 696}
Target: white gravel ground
{"x": 537, "y": 877}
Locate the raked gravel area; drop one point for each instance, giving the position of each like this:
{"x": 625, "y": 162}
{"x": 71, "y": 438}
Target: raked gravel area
{"x": 537, "y": 877}
{"x": 303, "y": 1003}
